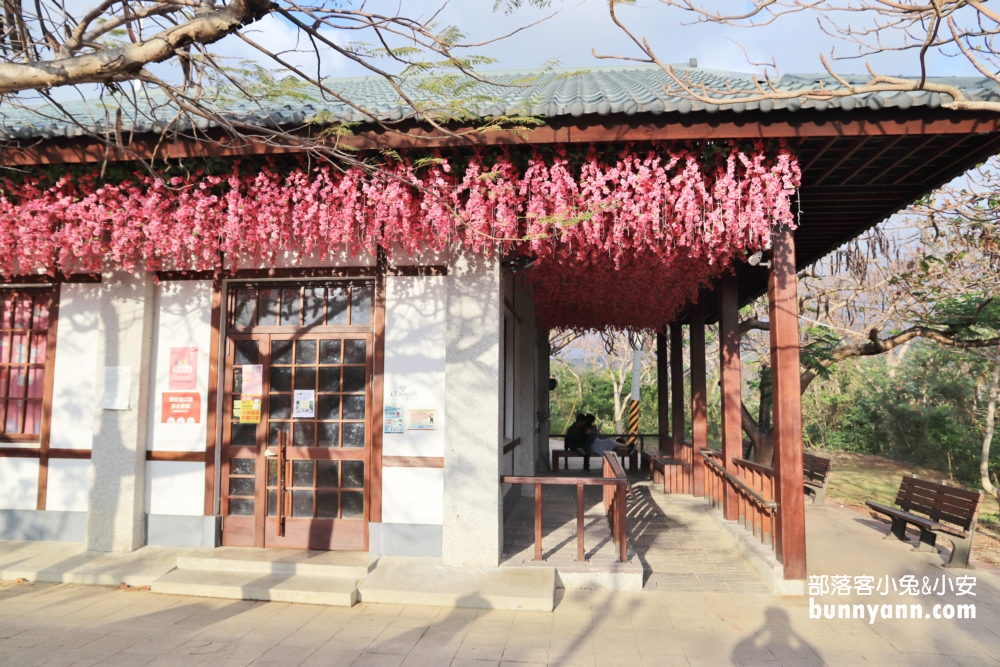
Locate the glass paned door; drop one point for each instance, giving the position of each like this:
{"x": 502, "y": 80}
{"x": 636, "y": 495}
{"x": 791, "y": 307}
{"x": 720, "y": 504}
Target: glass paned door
{"x": 314, "y": 429}
{"x": 318, "y": 414}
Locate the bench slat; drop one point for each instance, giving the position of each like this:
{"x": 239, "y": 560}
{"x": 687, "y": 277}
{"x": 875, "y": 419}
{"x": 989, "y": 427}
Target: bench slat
{"x": 911, "y": 518}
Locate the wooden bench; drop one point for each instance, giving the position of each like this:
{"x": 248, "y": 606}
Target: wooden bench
{"x": 816, "y": 474}
{"x": 621, "y": 452}
{"x": 674, "y": 474}
{"x": 939, "y": 503}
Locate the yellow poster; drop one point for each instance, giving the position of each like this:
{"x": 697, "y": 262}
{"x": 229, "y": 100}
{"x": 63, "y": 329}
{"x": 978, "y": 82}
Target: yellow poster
{"x": 250, "y": 409}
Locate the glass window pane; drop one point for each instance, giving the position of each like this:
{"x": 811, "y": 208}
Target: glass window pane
{"x": 302, "y": 503}
{"x": 354, "y": 475}
{"x": 281, "y": 352}
{"x": 291, "y": 307}
{"x": 354, "y": 407}
{"x": 281, "y": 378}
{"x": 268, "y": 306}
{"x": 6, "y": 311}
{"x": 4, "y": 347}
{"x": 354, "y": 434}
{"x": 22, "y": 313}
{"x": 246, "y": 352}
{"x": 354, "y": 351}
{"x": 272, "y": 472}
{"x": 19, "y": 349}
{"x": 13, "y": 424}
{"x": 238, "y": 380}
{"x": 326, "y": 474}
{"x": 329, "y": 352}
{"x": 353, "y": 504}
{"x": 32, "y": 418}
{"x": 241, "y": 486}
{"x": 302, "y": 473}
{"x": 312, "y": 314}
{"x": 362, "y": 295}
{"x": 3, "y": 385}
{"x": 37, "y": 354}
{"x": 329, "y": 378}
{"x": 35, "y": 383}
{"x": 41, "y": 313}
{"x": 327, "y": 504}
{"x": 354, "y": 378}
{"x": 328, "y": 407}
{"x": 304, "y": 434}
{"x": 241, "y": 466}
{"x": 245, "y": 308}
{"x": 329, "y": 435}
{"x": 243, "y": 435}
{"x": 241, "y": 506}
{"x": 305, "y": 352}
{"x": 18, "y": 380}
{"x": 272, "y": 502}
{"x": 336, "y": 300}
{"x": 305, "y": 378}
{"x": 274, "y": 429}
{"x": 280, "y": 406}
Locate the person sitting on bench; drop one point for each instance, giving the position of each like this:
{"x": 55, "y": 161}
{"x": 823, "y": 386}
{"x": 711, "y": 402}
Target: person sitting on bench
{"x": 596, "y": 445}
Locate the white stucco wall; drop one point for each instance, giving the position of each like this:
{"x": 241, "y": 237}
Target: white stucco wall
{"x": 413, "y": 495}
{"x": 73, "y": 381}
{"x": 68, "y": 487}
{"x": 175, "y": 487}
{"x": 183, "y": 319}
{"x": 414, "y": 359}
{"x": 19, "y": 490}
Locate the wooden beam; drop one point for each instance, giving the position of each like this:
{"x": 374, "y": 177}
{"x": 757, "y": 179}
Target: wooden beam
{"x": 888, "y": 146}
{"x": 412, "y": 461}
{"x": 699, "y": 396}
{"x": 663, "y": 390}
{"x": 677, "y": 384}
{"x": 732, "y": 401}
{"x": 559, "y": 130}
{"x": 857, "y": 145}
{"x": 212, "y": 398}
{"x": 790, "y": 533}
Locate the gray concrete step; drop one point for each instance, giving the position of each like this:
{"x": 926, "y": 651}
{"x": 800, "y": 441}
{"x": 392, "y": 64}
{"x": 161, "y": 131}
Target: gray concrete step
{"x": 425, "y": 581}
{"x": 237, "y": 585}
{"x": 346, "y": 564}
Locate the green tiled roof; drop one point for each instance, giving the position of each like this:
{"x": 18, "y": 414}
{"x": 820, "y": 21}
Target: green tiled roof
{"x": 599, "y": 91}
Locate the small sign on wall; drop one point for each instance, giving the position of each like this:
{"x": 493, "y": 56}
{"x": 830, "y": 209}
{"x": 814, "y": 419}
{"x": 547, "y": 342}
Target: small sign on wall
{"x": 250, "y": 410}
{"x": 117, "y": 388}
{"x": 421, "y": 420}
{"x": 393, "y": 420}
{"x": 183, "y": 369}
{"x": 181, "y": 408}
{"x": 305, "y": 404}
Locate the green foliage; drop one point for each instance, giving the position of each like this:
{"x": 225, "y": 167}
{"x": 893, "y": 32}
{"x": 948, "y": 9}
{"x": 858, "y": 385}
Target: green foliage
{"x": 598, "y": 399}
{"x": 929, "y": 413}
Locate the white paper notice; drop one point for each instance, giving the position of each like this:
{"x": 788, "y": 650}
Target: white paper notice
{"x": 305, "y": 404}
{"x": 117, "y": 384}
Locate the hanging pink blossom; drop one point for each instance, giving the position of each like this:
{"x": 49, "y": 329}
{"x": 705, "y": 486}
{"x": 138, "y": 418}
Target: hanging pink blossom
{"x": 621, "y": 243}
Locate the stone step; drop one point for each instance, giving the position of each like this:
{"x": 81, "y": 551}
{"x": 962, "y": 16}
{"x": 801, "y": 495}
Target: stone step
{"x": 425, "y": 581}
{"x": 287, "y": 562}
{"x": 306, "y": 589}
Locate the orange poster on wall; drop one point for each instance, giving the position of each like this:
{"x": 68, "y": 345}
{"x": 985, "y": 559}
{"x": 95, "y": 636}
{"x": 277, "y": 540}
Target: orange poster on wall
{"x": 182, "y": 407}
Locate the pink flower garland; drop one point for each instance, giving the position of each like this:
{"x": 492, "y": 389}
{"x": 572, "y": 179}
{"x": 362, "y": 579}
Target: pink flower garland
{"x": 622, "y": 244}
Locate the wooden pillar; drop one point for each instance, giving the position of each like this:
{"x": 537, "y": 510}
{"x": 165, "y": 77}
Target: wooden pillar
{"x": 699, "y": 397}
{"x": 732, "y": 401}
{"x": 663, "y": 392}
{"x": 677, "y": 385}
{"x": 790, "y": 533}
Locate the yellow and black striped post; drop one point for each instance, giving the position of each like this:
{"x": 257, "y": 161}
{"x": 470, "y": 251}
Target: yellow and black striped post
{"x": 633, "y": 421}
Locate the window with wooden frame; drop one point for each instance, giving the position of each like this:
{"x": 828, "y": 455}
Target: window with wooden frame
{"x": 25, "y": 319}
{"x": 260, "y": 306}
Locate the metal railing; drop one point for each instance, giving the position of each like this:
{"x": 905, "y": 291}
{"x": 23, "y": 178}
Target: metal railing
{"x": 616, "y": 488}
{"x": 753, "y": 487}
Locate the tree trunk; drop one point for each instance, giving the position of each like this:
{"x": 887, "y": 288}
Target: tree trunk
{"x": 991, "y": 413}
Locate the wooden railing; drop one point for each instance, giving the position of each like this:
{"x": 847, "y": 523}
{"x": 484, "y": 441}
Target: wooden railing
{"x": 616, "y": 490}
{"x": 754, "y": 489}
{"x": 614, "y": 436}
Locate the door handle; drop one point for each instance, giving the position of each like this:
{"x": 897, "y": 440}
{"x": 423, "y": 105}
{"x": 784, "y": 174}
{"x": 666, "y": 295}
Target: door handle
{"x": 269, "y": 453}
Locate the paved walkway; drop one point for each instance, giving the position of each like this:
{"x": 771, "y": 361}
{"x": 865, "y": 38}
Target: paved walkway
{"x": 63, "y": 625}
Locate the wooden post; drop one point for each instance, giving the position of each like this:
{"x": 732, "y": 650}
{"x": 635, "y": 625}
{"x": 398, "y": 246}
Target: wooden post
{"x": 699, "y": 398}
{"x": 677, "y": 384}
{"x": 579, "y": 523}
{"x": 538, "y": 522}
{"x": 732, "y": 401}
{"x": 663, "y": 392}
{"x": 790, "y": 531}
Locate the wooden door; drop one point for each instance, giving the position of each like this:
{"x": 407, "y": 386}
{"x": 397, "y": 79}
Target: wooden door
{"x": 322, "y": 449}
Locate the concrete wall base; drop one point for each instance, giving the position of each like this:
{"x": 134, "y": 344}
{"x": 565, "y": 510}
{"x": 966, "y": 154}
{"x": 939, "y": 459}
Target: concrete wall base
{"x": 183, "y": 531}
{"x": 761, "y": 557}
{"x": 404, "y": 539}
{"x": 47, "y": 525}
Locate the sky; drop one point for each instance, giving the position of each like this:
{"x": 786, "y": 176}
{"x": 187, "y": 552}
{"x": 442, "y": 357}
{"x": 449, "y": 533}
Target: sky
{"x": 576, "y": 27}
